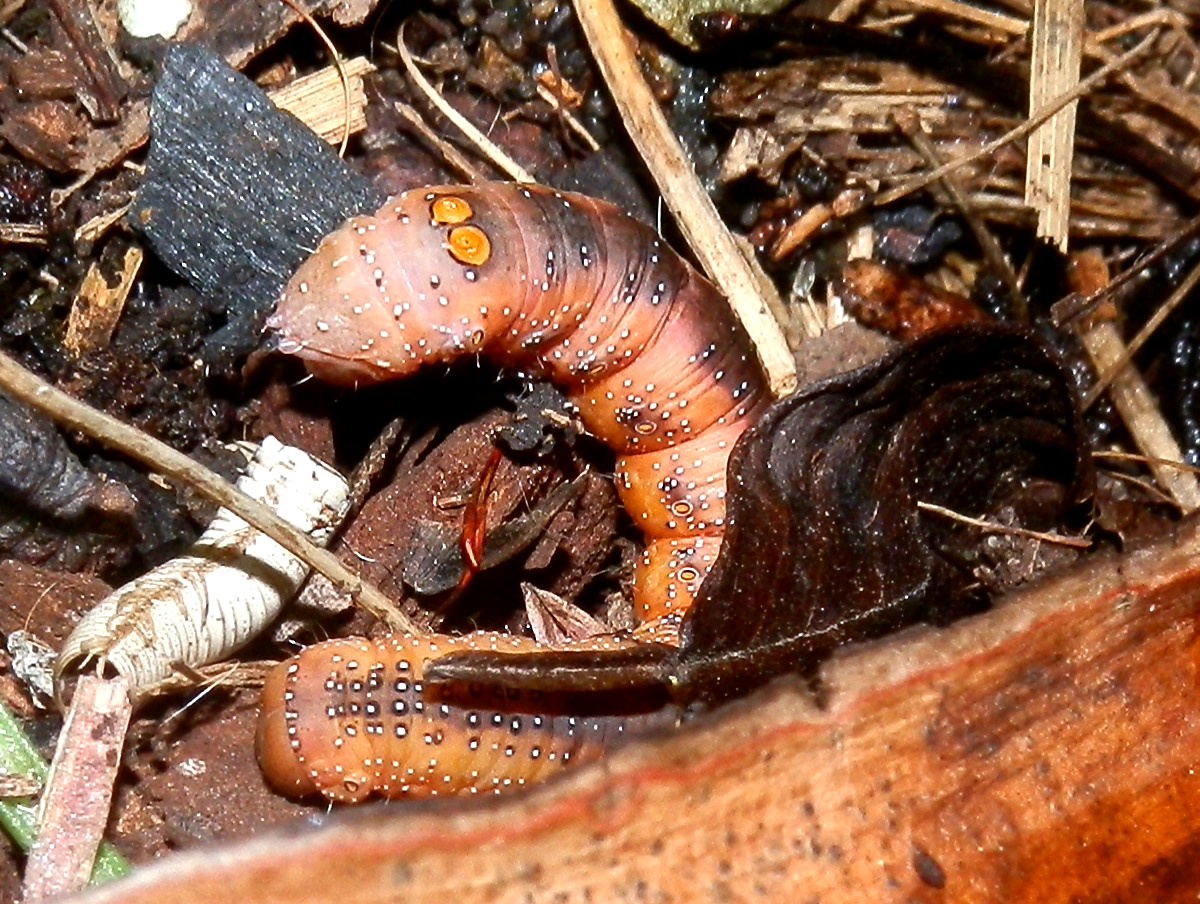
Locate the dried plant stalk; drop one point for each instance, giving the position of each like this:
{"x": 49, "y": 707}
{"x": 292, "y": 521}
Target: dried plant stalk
{"x": 199, "y": 608}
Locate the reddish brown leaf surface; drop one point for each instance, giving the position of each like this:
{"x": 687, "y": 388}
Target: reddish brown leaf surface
{"x": 1041, "y": 752}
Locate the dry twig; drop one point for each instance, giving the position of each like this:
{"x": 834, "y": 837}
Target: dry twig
{"x": 1130, "y": 394}
{"x": 452, "y": 156}
{"x": 911, "y": 126}
{"x": 1176, "y": 298}
{"x": 337, "y": 61}
{"x": 1034, "y": 121}
{"x": 487, "y": 148}
{"x": 743, "y": 284}
{"x": 996, "y": 528}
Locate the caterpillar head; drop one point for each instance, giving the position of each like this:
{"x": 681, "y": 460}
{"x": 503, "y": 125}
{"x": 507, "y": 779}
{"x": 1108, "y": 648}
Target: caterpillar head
{"x": 416, "y": 282}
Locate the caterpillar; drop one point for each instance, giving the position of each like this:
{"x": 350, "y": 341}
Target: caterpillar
{"x": 349, "y": 719}
{"x": 560, "y": 285}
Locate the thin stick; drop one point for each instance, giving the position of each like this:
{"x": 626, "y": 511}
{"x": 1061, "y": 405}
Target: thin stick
{"x": 23, "y": 234}
{"x": 689, "y": 203}
{"x": 451, "y": 156}
{"x": 1146, "y": 460}
{"x": 489, "y": 149}
{"x": 1139, "y": 410}
{"x": 1132, "y": 397}
{"x": 1013, "y": 25}
{"x": 1182, "y": 291}
{"x": 1150, "y": 488}
{"x": 337, "y": 61}
{"x": 18, "y": 757}
{"x": 995, "y": 528}
{"x": 1093, "y": 300}
{"x": 1015, "y": 134}
{"x": 910, "y": 125}
{"x": 569, "y": 118}
{"x": 75, "y": 415}
{"x": 79, "y": 789}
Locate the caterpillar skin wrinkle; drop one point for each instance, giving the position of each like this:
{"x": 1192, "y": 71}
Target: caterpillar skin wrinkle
{"x": 557, "y": 284}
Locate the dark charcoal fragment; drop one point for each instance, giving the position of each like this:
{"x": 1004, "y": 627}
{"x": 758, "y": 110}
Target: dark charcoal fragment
{"x": 52, "y": 508}
{"x": 236, "y": 193}
{"x": 39, "y": 472}
{"x": 914, "y": 235}
{"x": 538, "y": 419}
{"x": 825, "y": 544}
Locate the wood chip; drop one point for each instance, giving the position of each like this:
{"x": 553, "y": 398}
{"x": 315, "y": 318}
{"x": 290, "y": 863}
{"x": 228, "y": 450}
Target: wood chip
{"x": 97, "y": 306}
{"x": 317, "y": 100}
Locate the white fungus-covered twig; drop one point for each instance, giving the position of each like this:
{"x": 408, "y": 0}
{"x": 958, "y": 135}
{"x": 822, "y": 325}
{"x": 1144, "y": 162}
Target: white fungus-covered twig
{"x": 199, "y": 608}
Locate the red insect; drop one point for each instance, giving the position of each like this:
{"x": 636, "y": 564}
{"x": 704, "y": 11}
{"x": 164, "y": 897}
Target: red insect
{"x": 552, "y": 282}
{"x": 475, "y": 518}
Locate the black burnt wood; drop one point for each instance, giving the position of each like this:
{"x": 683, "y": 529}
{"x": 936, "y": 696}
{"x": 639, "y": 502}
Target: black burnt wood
{"x": 237, "y": 193}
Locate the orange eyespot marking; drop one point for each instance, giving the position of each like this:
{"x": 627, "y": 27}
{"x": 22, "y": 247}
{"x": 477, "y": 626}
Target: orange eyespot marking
{"x": 645, "y": 428}
{"x": 689, "y": 574}
{"x": 681, "y": 508}
{"x": 469, "y": 245}
{"x": 450, "y": 210}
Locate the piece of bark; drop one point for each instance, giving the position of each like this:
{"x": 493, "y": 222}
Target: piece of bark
{"x": 104, "y": 89}
{"x": 1041, "y": 752}
{"x": 49, "y": 132}
{"x": 42, "y": 75}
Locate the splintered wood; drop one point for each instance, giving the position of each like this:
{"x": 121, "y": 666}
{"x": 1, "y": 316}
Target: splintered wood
{"x": 1057, "y": 38}
{"x": 98, "y": 305}
{"x": 319, "y": 100}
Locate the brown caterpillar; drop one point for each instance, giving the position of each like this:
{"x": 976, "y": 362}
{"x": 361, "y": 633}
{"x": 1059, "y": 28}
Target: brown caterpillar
{"x": 555, "y": 283}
